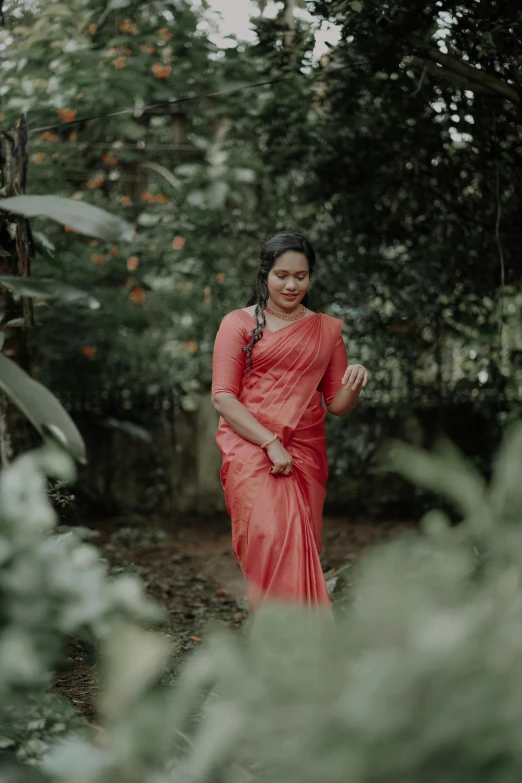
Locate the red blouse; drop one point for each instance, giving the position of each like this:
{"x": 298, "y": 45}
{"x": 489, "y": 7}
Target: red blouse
{"x": 228, "y": 363}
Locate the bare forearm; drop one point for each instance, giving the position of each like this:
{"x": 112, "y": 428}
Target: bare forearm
{"x": 344, "y": 401}
{"x": 240, "y": 418}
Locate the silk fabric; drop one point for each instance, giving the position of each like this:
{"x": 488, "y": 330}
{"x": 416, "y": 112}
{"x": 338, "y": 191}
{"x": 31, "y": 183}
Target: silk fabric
{"x": 277, "y": 519}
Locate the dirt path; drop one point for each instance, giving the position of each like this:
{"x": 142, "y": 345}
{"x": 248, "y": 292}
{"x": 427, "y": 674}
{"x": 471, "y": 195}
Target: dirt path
{"x": 191, "y": 570}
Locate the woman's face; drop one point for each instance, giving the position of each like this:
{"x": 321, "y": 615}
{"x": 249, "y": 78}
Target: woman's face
{"x": 288, "y": 281}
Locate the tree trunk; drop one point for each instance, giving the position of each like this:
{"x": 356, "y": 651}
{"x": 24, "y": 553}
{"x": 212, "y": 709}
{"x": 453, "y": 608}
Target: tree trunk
{"x": 289, "y": 22}
{"x": 15, "y": 255}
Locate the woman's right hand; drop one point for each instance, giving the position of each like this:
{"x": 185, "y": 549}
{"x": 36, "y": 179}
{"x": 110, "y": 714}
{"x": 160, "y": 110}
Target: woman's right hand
{"x": 281, "y": 458}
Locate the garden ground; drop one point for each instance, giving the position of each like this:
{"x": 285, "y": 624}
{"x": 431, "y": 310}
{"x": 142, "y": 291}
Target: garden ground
{"x": 191, "y": 570}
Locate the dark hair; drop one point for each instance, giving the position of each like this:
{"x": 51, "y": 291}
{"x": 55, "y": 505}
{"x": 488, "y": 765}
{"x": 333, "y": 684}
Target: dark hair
{"x": 275, "y": 245}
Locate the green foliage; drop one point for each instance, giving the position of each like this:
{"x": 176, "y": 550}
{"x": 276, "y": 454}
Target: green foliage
{"x": 51, "y": 586}
{"x": 399, "y": 685}
{"x": 47, "y": 289}
{"x": 423, "y": 216}
{"x": 85, "y": 218}
{"x": 31, "y": 724}
{"x": 400, "y": 167}
{"x": 164, "y": 171}
{"x": 400, "y": 688}
{"x": 41, "y": 408}
{"x": 38, "y": 404}
{"x": 420, "y": 680}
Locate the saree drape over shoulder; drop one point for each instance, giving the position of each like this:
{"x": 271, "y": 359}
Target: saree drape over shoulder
{"x": 277, "y": 519}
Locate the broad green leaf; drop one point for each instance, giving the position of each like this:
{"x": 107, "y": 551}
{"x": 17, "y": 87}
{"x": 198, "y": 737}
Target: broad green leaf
{"x": 168, "y": 175}
{"x": 47, "y": 289}
{"x": 196, "y": 198}
{"x": 446, "y": 473}
{"x": 242, "y": 174}
{"x": 148, "y": 219}
{"x": 57, "y": 9}
{"x": 44, "y": 241}
{"x": 188, "y": 169}
{"x": 132, "y": 659}
{"x": 43, "y": 409}
{"x": 216, "y": 194}
{"x": 356, "y": 6}
{"x": 129, "y": 428}
{"x": 113, "y": 5}
{"x": 133, "y": 130}
{"x": 55, "y": 462}
{"x": 506, "y": 482}
{"x": 76, "y": 758}
{"x": 85, "y": 218}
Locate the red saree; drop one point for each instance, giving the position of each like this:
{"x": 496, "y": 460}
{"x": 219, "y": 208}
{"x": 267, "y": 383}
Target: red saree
{"x": 276, "y": 519}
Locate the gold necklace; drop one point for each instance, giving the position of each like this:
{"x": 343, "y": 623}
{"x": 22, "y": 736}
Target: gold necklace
{"x": 294, "y": 317}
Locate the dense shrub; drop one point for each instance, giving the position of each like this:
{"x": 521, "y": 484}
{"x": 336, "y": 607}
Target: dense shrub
{"x": 421, "y": 681}
{"x": 51, "y": 587}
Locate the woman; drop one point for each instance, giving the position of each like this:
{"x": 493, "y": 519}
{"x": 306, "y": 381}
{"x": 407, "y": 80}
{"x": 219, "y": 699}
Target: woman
{"x": 274, "y": 360}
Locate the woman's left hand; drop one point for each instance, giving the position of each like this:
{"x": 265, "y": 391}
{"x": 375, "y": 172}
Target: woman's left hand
{"x": 355, "y": 377}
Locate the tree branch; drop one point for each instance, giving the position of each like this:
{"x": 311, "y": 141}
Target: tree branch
{"x": 473, "y": 75}
{"x": 444, "y": 73}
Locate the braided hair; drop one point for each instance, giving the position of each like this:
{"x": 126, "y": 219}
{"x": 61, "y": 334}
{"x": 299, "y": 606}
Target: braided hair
{"x": 275, "y": 245}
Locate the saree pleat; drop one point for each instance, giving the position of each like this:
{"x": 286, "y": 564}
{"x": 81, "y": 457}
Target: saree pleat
{"x": 276, "y": 519}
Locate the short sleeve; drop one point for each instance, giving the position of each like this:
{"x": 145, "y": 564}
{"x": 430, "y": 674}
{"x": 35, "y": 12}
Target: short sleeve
{"x": 228, "y": 361}
{"x": 331, "y": 380}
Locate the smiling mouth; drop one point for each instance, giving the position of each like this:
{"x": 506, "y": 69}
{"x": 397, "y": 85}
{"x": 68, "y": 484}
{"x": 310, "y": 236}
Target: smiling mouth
{"x": 290, "y": 296}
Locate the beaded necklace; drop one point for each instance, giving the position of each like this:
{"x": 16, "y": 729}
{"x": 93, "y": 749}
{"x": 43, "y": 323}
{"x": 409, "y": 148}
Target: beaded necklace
{"x": 294, "y": 317}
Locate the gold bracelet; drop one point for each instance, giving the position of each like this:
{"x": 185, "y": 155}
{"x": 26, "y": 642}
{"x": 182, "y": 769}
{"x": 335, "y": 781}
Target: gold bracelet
{"x": 269, "y": 441}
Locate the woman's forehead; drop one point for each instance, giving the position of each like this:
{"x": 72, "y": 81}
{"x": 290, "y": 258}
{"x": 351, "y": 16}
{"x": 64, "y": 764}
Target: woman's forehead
{"x": 291, "y": 261}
